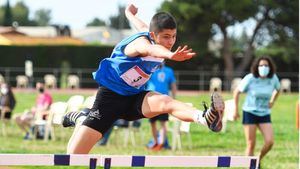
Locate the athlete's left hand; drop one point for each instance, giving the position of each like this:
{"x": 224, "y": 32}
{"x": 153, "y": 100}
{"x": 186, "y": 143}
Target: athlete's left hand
{"x": 131, "y": 9}
{"x": 182, "y": 54}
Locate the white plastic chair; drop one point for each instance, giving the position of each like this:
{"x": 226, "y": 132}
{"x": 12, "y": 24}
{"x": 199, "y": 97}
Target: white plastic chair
{"x": 50, "y": 81}
{"x": 22, "y": 81}
{"x": 179, "y": 128}
{"x": 73, "y": 81}
{"x": 75, "y": 102}
{"x": 235, "y": 82}
{"x": 2, "y": 80}
{"x": 88, "y": 102}
{"x": 56, "y": 113}
{"x": 215, "y": 84}
{"x": 285, "y": 85}
{"x": 228, "y": 113}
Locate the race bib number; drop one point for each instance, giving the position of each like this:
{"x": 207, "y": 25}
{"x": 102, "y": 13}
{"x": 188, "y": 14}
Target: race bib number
{"x": 135, "y": 77}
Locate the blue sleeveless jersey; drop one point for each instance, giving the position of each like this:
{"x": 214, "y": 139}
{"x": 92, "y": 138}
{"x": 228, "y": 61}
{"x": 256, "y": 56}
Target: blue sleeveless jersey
{"x": 126, "y": 75}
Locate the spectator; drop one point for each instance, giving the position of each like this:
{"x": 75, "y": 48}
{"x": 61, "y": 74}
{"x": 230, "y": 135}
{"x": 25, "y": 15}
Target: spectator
{"x": 262, "y": 88}
{"x": 7, "y": 102}
{"x": 40, "y": 110}
{"x": 161, "y": 81}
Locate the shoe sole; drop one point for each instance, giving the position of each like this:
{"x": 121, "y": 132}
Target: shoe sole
{"x": 219, "y": 106}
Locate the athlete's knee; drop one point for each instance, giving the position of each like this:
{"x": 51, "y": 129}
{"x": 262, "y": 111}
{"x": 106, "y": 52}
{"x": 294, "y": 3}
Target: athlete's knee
{"x": 269, "y": 143}
{"x": 72, "y": 149}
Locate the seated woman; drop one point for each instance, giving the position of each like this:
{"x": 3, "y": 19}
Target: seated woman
{"x": 7, "y": 102}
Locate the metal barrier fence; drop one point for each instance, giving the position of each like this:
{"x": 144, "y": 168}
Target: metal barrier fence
{"x": 108, "y": 161}
{"x": 186, "y": 80}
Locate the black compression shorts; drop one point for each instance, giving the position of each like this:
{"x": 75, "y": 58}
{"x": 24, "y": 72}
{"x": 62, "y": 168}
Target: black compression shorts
{"x": 110, "y": 106}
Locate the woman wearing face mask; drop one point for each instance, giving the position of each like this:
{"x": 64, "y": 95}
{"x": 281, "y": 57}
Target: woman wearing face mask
{"x": 7, "y": 101}
{"x": 262, "y": 88}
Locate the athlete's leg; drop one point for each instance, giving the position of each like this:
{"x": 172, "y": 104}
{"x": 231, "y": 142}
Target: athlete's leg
{"x": 155, "y": 104}
{"x": 83, "y": 140}
{"x": 164, "y": 130}
{"x": 267, "y": 132}
{"x": 250, "y": 135}
{"x": 154, "y": 132}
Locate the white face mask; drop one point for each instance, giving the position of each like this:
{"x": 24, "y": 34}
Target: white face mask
{"x": 263, "y": 71}
{"x": 4, "y": 91}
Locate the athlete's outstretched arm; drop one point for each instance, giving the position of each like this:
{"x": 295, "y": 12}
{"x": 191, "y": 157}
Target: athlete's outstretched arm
{"x": 130, "y": 13}
{"x": 142, "y": 47}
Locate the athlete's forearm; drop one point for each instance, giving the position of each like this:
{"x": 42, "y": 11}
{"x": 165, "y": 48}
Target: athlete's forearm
{"x": 135, "y": 21}
{"x": 159, "y": 52}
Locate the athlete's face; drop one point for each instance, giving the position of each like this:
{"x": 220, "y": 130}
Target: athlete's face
{"x": 166, "y": 38}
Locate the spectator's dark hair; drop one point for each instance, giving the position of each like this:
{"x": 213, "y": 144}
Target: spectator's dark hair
{"x": 162, "y": 20}
{"x": 255, "y": 64}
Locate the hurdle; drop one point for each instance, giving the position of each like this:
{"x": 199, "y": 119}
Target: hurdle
{"x": 108, "y": 161}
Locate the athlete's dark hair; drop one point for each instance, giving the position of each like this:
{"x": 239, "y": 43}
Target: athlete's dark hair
{"x": 161, "y": 21}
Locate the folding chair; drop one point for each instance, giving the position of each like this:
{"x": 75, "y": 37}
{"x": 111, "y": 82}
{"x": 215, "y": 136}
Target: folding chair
{"x": 56, "y": 113}
{"x": 3, "y": 122}
{"x": 234, "y": 83}
{"x": 88, "y": 102}
{"x": 285, "y": 85}
{"x": 179, "y": 128}
{"x": 75, "y": 102}
{"x": 50, "y": 81}
{"x": 2, "y": 80}
{"x": 228, "y": 114}
{"x": 73, "y": 81}
{"x": 215, "y": 84}
{"x": 22, "y": 81}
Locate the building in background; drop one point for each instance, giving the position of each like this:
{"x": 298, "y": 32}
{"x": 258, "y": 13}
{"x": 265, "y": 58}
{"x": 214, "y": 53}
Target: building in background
{"x": 36, "y": 36}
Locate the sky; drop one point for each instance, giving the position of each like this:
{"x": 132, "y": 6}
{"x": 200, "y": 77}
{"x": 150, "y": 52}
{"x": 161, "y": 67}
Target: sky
{"x": 77, "y": 13}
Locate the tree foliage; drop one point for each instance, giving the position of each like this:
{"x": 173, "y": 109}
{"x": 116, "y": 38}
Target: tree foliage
{"x": 119, "y": 21}
{"x": 42, "y": 17}
{"x": 20, "y": 13}
{"x": 7, "y": 20}
{"x": 276, "y": 23}
{"x": 96, "y": 22}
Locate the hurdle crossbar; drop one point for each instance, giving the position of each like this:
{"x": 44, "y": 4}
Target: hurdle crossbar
{"x": 108, "y": 161}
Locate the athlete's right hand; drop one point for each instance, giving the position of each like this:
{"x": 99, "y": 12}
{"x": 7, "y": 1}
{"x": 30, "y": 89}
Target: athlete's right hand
{"x": 182, "y": 54}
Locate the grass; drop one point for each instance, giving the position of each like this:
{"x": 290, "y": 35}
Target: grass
{"x": 284, "y": 154}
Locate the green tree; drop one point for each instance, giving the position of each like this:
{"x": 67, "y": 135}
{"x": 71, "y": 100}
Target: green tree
{"x": 119, "y": 21}
{"x": 42, "y": 17}
{"x": 1, "y": 14}
{"x": 205, "y": 18}
{"x": 285, "y": 40}
{"x": 21, "y": 14}
{"x": 275, "y": 19}
{"x": 96, "y": 22}
{"x": 8, "y": 18}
